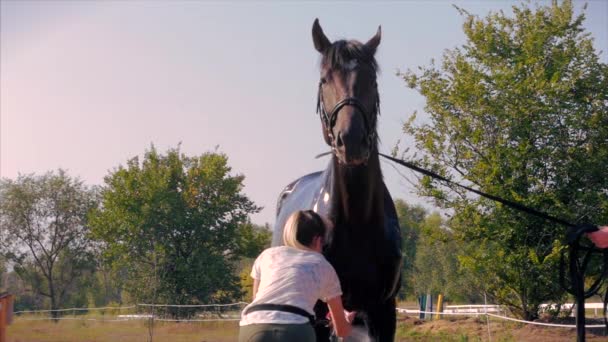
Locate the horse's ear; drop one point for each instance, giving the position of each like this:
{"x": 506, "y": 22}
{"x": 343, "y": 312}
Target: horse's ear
{"x": 318, "y": 37}
{"x": 373, "y": 43}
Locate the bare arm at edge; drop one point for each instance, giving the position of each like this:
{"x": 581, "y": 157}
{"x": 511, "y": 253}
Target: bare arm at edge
{"x": 600, "y": 237}
{"x": 343, "y": 328}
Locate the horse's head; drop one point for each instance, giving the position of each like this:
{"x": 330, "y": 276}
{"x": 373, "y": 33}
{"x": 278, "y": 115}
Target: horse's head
{"x": 348, "y": 100}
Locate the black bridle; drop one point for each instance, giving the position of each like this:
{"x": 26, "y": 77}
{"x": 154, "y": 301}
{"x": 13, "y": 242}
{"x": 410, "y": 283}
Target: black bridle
{"x": 329, "y": 119}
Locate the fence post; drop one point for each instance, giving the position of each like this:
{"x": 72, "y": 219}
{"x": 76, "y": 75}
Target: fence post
{"x": 439, "y": 306}
{"x": 429, "y": 307}
{"x": 6, "y": 314}
{"x": 422, "y": 305}
{"x": 2, "y": 321}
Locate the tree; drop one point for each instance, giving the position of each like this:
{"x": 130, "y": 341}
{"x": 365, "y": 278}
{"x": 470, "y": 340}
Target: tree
{"x": 172, "y": 223}
{"x": 44, "y": 231}
{"x": 431, "y": 256}
{"x": 520, "y": 112}
{"x": 410, "y": 220}
{"x": 105, "y": 286}
{"x": 437, "y": 266}
{"x": 253, "y": 240}
{"x": 430, "y": 263}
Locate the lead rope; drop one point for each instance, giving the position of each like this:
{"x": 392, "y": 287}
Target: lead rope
{"x": 574, "y": 234}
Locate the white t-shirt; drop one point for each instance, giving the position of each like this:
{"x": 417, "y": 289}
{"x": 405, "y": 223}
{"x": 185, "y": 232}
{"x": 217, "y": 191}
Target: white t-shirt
{"x": 294, "y": 277}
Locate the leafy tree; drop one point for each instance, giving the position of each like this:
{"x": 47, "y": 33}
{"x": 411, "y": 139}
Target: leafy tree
{"x": 410, "y": 220}
{"x": 106, "y": 284}
{"x": 172, "y": 223}
{"x": 431, "y": 253}
{"x": 520, "y": 112}
{"x": 430, "y": 271}
{"x": 437, "y": 266}
{"x": 253, "y": 240}
{"x": 25, "y": 299}
{"x": 44, "y": 232}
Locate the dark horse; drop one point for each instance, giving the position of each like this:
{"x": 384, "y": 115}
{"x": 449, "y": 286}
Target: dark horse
{"x": 364, "y": 246}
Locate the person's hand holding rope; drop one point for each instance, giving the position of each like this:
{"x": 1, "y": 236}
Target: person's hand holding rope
{"x": 599, "y": 237}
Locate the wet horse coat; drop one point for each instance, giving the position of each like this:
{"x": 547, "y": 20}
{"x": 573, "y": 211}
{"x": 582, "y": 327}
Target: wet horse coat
{"x": 365, "y": 244}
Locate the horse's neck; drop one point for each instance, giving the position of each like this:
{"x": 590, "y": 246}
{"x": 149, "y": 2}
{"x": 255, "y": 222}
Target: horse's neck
{"x": 357, "y": 193}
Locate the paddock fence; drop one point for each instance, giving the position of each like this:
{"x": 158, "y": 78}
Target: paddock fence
{"x": 231, "y": 312}
{"x": 500, "y": 313}
{"x": 141, "y": 311}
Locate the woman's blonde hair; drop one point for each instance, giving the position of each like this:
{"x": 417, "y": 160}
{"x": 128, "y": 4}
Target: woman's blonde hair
{"x": 302, "y": 227}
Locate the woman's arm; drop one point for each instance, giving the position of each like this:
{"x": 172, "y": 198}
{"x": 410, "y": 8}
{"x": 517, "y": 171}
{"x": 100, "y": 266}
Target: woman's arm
{"x": 336, "y": 310}
{"x": 256, "y": 286}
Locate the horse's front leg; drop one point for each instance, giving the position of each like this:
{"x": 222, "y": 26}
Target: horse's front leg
{"x": 382, "y": 321}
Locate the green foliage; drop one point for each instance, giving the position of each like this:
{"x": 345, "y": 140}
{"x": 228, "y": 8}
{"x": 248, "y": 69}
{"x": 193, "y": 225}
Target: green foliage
{"x": 410, "y": 220}
{"x": 430, "y": 252}
{"x": 106, "y": 284}
{"x": 519, "y": 111}
{"x": 435, "y": 264}
{"x": 253, "y": 239}
{"x": 171, "y": 223}
{"x": 45, "y": 232}
{"x": 246, "y": 281}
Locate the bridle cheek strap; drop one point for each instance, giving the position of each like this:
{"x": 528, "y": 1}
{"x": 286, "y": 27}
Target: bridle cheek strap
{"x": 329, "y": 120}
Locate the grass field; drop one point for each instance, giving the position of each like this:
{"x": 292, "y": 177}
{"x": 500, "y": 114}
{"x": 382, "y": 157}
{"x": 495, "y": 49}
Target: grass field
{"x": 408, "y": 329}
{"x": 71, "y": 331}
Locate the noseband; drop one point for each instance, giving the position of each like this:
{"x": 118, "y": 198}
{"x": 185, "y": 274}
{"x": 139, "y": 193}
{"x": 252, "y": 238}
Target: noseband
{"x": 329, "y": 120}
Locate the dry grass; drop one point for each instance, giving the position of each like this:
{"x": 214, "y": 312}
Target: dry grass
{"x": 476, "y": 329}
{"x": 408, "y": 329}
{"x": 72, "y": 331}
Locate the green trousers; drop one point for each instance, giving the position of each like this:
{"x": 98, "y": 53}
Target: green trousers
{"x": 277, "y": 332}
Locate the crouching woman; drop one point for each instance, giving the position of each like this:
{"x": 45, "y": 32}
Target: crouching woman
{"x": 287, "y": 282}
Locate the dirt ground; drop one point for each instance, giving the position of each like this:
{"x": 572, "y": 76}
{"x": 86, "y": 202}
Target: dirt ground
{"x": 408, "y": 329}
{"x": 478, "y": 329}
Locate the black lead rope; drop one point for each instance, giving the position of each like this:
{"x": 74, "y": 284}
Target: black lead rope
{"x": 511, "y": 204}
{"x": 575, "y": 232}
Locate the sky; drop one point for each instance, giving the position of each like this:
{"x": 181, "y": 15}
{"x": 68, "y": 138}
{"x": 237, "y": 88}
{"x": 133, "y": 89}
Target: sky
{"x": 87, "y": 85}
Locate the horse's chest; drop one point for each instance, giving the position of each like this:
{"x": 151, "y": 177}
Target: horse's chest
{"x": 357, "y": 260}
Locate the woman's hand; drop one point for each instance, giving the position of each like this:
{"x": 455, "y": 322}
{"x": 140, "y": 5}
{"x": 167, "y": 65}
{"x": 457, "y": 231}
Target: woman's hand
{"x": 350, "y": 316}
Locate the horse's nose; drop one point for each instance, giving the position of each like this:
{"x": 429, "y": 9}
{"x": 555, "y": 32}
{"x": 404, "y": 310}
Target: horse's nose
{"x": 351, "y": 141}
{"x": 350, "y": 138}
{"x": 339, "y": 141}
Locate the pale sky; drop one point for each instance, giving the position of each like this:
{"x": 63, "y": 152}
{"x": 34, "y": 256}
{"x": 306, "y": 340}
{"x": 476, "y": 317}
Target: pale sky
{"x": 86, "y": 85}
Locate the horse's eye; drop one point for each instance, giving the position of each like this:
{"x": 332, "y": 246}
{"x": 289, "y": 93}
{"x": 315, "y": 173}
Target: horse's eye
{"x": 323, "y": 80}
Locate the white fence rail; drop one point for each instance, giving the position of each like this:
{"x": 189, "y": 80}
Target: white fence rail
{"x": 140, "y": 311}
{"x": 472, "y": 309}
{"x": 596, "y": 307}
{"x": 109, "y": 308}
{"x": 493, "y": 311}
